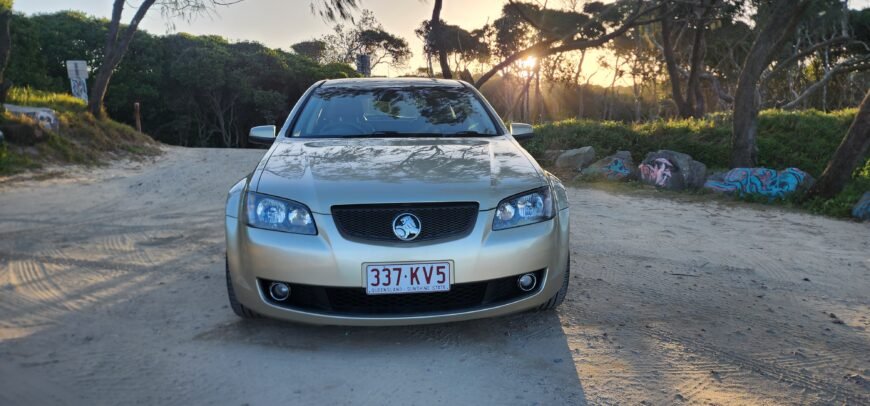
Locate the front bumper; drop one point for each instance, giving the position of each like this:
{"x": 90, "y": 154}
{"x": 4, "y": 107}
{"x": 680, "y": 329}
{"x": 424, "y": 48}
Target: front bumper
{"x": 328, "y": 260}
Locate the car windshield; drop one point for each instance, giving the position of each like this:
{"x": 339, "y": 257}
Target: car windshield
{"x": 393, "y": 112}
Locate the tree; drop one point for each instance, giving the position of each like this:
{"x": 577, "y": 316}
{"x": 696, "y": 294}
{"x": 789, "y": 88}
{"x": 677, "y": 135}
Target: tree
{"x": 366, "y": 36}
{"x": 463, "y": 46}
{"x": 642, "y": 65}
{"x": 565, "y": 31}
{"x": 851, "y": 153}
{"x": 193, "y": 90}
{"x": 781, "y": 21}
{"x": 118, "y": 39}
{"x": 138, "y": 80}
{"x": 26, "y": 61}
{"x": 55, "y": 38}
{"x": 214, "y": 91}
{"x": 5, "y": 48}
{"x": 696, "y": 16}
{"x": 383, "y": 47}
{"x": 311, "y": 49}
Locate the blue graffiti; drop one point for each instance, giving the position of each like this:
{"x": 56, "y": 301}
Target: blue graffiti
{"x": 759, "y": 181}
{"x": 862, "y": 208}
{"x": 616, "y": 169}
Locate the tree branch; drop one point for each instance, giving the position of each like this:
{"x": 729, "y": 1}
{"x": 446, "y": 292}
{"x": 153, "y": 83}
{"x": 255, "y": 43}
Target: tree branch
{"x": 850, "y": 65}
{"x": 542, "y": 48}
{"x": 802, "y": 54}
{"x": 120, "y": 48}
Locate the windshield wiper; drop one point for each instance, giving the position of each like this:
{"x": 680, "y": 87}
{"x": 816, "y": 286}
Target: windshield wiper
{"x": 399, "y": 134}
{"x": 374, "y": 134}
{"x": 467, "y": 132}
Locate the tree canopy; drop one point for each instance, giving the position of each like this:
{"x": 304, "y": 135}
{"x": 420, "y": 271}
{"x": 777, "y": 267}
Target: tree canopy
{"x": 194, "y": 90}
{"x": 365, "y": 36}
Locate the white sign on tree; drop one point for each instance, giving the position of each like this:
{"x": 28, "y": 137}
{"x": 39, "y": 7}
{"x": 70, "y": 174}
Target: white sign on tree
{"x": 78, "y": 75}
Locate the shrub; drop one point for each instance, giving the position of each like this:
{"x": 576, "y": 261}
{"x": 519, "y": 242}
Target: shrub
{"x": 805, "y": 139}
{"x": 801, "y": 139}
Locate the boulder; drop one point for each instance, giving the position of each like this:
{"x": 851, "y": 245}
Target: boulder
{"x": 551, "y": 155}
{"x": 45, "y": 117}
{"x": 23, "y": 134}
{"x": 760, "y": 181}
{"x": 672, "y": 170}
{"x": 862, "y": 208}
{"x": 617, "y": 167}
{"x": 576, "y": 158}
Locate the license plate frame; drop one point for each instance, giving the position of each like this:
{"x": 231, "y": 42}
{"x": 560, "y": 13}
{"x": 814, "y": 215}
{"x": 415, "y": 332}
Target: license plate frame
{"x": 440, "y": 277}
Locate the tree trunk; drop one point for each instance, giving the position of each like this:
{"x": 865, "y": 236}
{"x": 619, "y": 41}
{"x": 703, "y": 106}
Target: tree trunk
{"x": 693, "y": 86}
{"x": 851, "y": 153}
{"x": 610, "y": 94}
{"x": 435, "y": 24}
{"x": 539, "y": 98}
{"x": 117, "y": 44}
{"x": 700, "y": 103}
{"x": 5, "y": 50}
{"x": 637, "y": 92}
{"x": 671, "y": 64}
{"x": 780, "y": 26}
{"x": 99, "y": 89}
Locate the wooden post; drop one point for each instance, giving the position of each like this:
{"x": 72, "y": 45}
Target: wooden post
{"x": 137, "y": 116}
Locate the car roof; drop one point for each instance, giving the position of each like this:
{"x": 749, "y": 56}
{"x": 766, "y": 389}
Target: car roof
{"x": 391, "y": 82}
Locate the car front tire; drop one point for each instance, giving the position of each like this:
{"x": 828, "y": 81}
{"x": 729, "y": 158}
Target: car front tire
{"x": 559, "y": 297}
{"x": 238, "y": 308}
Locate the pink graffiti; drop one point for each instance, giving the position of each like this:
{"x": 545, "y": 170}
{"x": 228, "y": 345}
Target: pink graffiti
{"x": 659, "y": 172}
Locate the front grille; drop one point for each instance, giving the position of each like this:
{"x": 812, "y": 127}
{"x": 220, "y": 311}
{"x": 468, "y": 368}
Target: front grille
{"x": 375, "y": 222}
{"x": 355, "y": 301}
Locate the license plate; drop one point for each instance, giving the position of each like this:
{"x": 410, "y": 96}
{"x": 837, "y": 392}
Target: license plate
{"x": 424, "y": 277}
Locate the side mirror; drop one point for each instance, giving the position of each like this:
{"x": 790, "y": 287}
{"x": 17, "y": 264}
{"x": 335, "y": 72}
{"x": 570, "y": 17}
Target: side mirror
{"x": 263, "y": 134}
{"x": 522, "y": 131}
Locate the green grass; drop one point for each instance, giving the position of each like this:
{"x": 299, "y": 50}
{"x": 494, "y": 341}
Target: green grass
{"x": 81, "y": 139}
{"x": 25, "y": 96}
{"x": 805, "y": 140}
{"x": 11, "y": 162}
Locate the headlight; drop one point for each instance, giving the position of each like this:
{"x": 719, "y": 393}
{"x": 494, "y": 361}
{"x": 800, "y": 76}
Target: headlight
{"x": 272, "y": 213}
{"x": 527, "y": 208}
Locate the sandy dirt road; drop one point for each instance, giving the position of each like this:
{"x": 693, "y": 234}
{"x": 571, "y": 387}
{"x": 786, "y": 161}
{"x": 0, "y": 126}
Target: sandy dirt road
{"x": 112, "y": 292}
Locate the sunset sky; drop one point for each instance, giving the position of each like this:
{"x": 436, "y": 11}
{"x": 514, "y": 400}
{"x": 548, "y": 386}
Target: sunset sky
{"x": 280, "y": 23}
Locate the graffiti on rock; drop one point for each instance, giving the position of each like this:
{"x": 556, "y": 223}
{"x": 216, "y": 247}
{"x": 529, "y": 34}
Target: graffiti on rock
{"x": 672, "y": 170}
{"x": 759, "y": 181}
{"x": 617, "y": 169}
{"x": 658, "y": 172}
{"x": 862, "y": 208}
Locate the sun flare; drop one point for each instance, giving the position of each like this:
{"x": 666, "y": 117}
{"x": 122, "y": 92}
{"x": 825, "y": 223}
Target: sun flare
{"x": 528, "y": 63}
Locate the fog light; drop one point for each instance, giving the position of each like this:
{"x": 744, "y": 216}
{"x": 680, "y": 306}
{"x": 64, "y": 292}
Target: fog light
{"x": 527, "y": 282}
{"x": 279, "y": 291}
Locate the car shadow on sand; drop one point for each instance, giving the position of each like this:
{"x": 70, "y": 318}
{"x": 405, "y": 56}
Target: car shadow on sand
{"x": 516, "y": 359}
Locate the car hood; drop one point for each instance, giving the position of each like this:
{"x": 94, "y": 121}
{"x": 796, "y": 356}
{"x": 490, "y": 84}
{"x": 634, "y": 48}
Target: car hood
{"x": 323, "y": 173}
